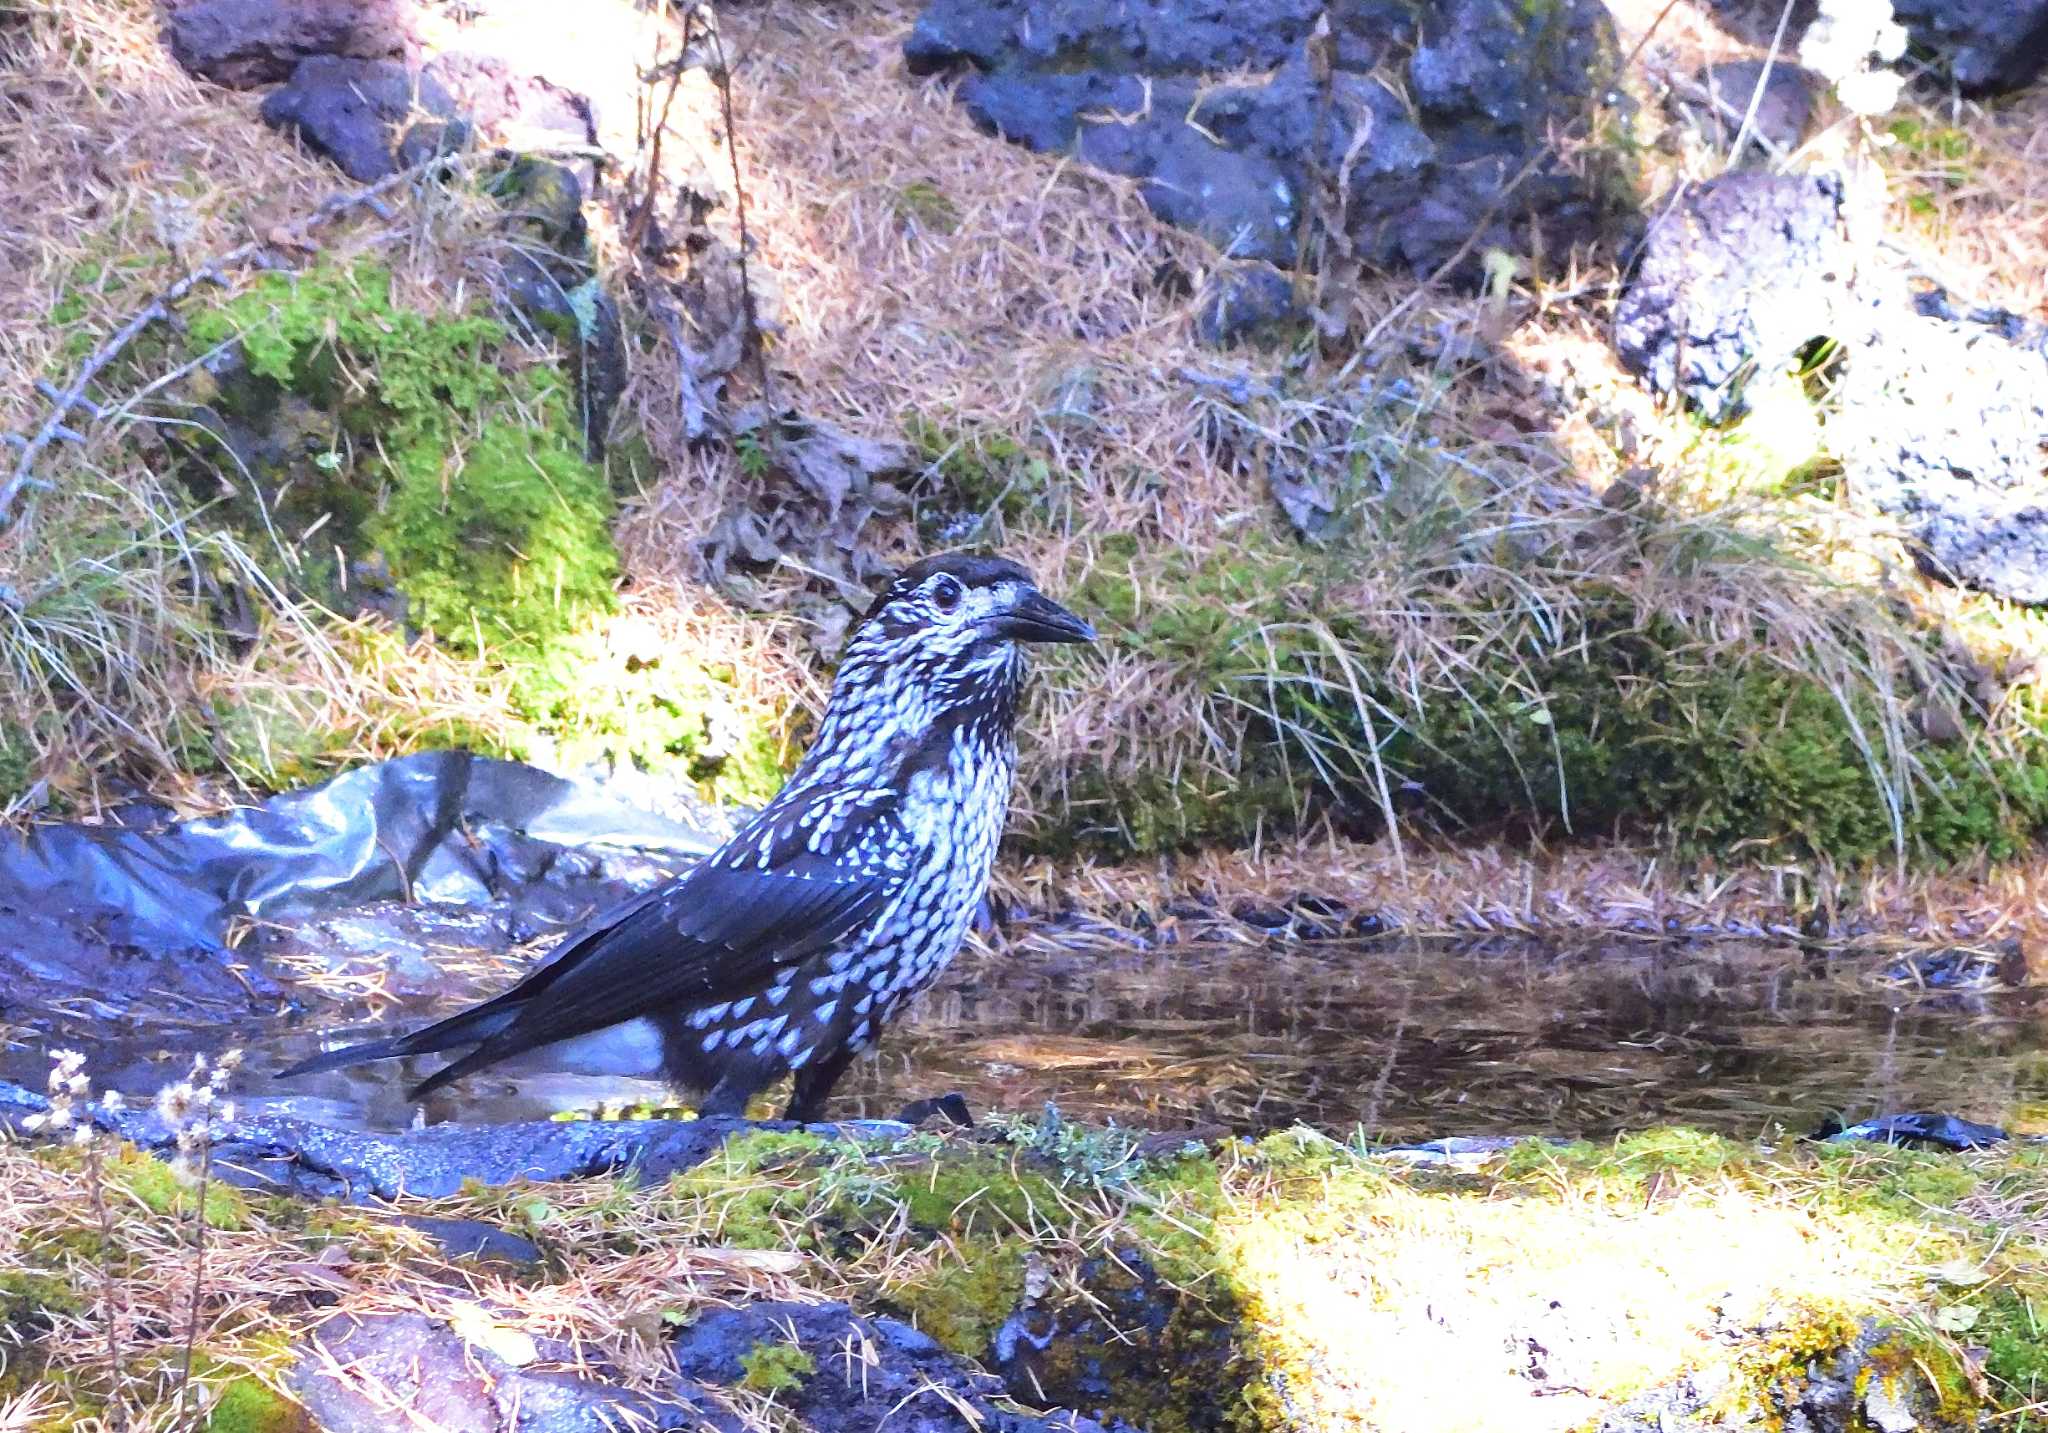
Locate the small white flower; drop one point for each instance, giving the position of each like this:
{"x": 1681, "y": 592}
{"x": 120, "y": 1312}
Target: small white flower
{"x": 1870, "y": 92}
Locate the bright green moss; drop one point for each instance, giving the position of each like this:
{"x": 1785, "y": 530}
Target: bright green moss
{"x": 775, "y": 1368}
{"x": 155, "y": 1184}
{"x": 967, "y": 1295}
{"x": 248, "y": 1405}
{"x": 466, "y": 474}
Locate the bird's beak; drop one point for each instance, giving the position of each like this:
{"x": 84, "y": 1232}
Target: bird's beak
{"x": 1037, "y": 618}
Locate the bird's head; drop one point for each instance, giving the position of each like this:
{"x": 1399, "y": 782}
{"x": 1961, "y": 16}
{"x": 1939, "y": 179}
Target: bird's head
{"x": 961, "y": 606}
{"x": 945, "y": 634}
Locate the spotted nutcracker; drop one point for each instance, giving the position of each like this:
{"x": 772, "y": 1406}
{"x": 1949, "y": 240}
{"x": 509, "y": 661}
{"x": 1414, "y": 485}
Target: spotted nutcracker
{"x": 791, "y": 946}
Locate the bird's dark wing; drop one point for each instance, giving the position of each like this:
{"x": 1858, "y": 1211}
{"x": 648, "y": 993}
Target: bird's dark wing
{"x": 802, "y": 875}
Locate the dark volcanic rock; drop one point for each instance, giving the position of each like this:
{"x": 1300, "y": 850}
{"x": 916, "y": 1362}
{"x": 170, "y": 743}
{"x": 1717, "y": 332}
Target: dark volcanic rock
{"x": 866, "y": 1373}
{"x": 1748, "y": 270}
{"x": 1987, "y": 45}
{"x": 1783, "y": 113}
{"x": 1124, "y": 87}
{"x": 356, "y": 1371}
{"x": 349, "y": 110}
{"x": 1248, "y": 301}
{"x": 246, "y": 43}
{"x": 1941, "y": 424}
{"x": 299, "y": 1157}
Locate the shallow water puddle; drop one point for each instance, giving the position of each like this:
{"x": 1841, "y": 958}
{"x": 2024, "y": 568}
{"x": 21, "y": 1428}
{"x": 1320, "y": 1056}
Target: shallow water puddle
{"x": 1410, "y": 1039}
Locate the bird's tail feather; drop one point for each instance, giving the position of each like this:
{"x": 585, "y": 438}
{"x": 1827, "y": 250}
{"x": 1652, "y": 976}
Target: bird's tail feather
{"x": 467, "y": 1028}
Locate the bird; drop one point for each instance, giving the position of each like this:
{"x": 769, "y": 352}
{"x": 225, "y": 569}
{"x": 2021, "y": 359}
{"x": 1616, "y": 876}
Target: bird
{"x": 789, "y": 948}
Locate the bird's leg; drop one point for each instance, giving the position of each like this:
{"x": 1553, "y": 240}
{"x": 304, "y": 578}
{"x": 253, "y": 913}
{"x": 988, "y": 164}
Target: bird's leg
{"x": 814, "y": 1084}
{"x": 728, "y": 1098}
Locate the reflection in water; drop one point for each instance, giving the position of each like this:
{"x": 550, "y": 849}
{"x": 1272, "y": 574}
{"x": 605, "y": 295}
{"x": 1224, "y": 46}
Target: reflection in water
{"x": 1410, "y": 1039}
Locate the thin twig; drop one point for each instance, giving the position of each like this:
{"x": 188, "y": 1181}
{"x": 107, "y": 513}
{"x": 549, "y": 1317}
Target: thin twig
{"x": 198, "y": 1261}
{"x": 64, "y": 401}
{"x": 723, "y": 76}
{"x": 95, "y": 1173}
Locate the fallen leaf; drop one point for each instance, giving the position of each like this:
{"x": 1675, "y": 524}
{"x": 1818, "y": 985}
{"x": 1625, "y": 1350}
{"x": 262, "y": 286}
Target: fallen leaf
{"x": 474, "y": 1324}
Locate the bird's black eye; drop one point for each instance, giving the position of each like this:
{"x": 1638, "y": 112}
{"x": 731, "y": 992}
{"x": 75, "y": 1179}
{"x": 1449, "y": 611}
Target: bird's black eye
{"x": 945, "y": 594}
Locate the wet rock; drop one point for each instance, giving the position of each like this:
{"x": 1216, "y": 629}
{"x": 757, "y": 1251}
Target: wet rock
{"x": 357, "y": 1369}
{"x": 1247, "y": 302}
{"x": 349, "y": 110}
{"x": 1745, "y": 273}
{"x": 297, "y": 1157}
{"x": 1939, "y": 424}
{"x": 846, "y": 1373}
{"x": 1125, "y": 88}
{"x": 1133, "y": 1342}
{"x": 1919, "y": 1130}
{"x": 1986, "y": 45}
{"x": 1872, "y": 1381}
{"x": 1723, "y": 94}
{"x": 246, "y": 43}
{"x": 474, "y": 1239}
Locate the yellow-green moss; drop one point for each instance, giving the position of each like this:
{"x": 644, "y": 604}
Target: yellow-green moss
{"x": 248, "y": 1405}
{"x": 967, "y": 1295}
{"x": 467, "y": 473}
{"x": 152, "y": 1181}
{"x": 775, "y": 1368}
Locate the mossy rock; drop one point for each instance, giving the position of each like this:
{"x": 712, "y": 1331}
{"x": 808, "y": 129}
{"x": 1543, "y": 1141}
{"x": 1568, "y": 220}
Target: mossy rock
{"x": 464, "y": 469}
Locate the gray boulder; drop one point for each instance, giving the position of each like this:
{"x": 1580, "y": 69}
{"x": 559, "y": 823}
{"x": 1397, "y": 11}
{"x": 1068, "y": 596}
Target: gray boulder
{"x": 1940, "y": 423}
{"x": 246, "y": 43}
{"x": 1129, "y": 89}
{"x": 356, "y": 1372}
{"x": 1746, "y": 271}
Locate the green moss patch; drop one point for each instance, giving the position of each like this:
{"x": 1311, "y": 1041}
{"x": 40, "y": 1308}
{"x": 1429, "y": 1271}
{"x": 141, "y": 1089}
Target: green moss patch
{"x": 775, "y": 1368}
{"x": 462, "y": 468}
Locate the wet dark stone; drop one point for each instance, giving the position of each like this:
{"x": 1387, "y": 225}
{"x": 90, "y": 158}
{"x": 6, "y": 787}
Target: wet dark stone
{"x": 474, "y": 1239}
{"x": 298, "y": 1157}
{"x": 1750, "y": 269}
{"x": 1919, "y": 1130}
{"x": 358, "y": 1369}
{"x": 1123, "y": 87}
{"x": 246, "y": 43}
{"x": 1247, "y": 301}
{"x": 348, "y": 110}
{"x": 1986, "y": 45}
{"x": 1261, "y": 917}
{"x": 868, "y": 1372}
